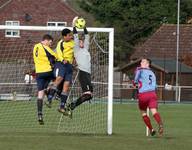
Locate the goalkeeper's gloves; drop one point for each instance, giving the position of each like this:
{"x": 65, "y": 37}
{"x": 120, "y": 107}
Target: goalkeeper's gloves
{"x": 74, "y": 30}
{"x": 74, "y": 21}
{"x": 85, "y": 30}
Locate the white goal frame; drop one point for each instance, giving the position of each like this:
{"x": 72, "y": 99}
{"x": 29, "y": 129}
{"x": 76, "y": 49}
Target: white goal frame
{"x": 111, "y": 55}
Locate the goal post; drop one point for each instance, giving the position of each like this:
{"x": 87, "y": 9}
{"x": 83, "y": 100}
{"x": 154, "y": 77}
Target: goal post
{"x": 16, "y": 58}
{"x": 110, "y": 80}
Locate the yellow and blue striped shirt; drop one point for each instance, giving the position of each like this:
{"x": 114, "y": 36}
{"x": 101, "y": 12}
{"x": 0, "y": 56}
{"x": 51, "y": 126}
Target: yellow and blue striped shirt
{"x": 65, "y": 51}
{"x": 43, "y": 58}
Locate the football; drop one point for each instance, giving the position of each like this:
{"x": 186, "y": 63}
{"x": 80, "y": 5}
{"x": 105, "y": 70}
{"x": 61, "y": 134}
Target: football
{"x": 80, "y": 23}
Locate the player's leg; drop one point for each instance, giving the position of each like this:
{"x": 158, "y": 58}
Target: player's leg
{"x": 87, "y": 88}
{"x": 59, "y": 90}
{"x": 59, "y": 75}
{"x": 158, "y": 119}
{"x": 47, "y": 92}
{"x": 83, "y": 98}
{"x": 153, "y": 105}
{"x": 67, "y": 82}
{"x": 147, "y": 122}
{"x": 40, "y": 106}
{"x": 64, "y": 95}
{"x": 143, "y": 104}
{"x": 53, "y": 89}
{"x": 43, "y": 80}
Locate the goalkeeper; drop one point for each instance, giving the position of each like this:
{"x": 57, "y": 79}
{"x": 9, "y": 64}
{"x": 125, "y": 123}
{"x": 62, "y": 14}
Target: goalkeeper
{"x": 83, "y": 60}
{"x": 44, "y": 58}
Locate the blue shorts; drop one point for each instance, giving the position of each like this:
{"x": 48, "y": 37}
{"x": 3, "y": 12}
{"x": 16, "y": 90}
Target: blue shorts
{"x": 43, "y": 80}
{"x": 63, "y": 70}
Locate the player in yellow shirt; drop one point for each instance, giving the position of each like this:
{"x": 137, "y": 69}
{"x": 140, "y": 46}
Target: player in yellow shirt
{"x": 63, "y": 68}
{"x": 44, "y": 58}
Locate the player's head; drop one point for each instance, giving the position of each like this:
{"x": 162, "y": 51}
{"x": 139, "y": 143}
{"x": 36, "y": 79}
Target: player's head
{"x": 47, "y": 40}
{"x": 81, "y": 40}
{"x": 145, "y": 63}
{"x": 67, "y": 34}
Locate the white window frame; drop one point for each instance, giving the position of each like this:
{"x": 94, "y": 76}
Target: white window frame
{"x": 56, "y": 24}
{"x": 12, "y": 32}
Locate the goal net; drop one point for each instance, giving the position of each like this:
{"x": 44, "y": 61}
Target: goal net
{"x": 18, "y": 91}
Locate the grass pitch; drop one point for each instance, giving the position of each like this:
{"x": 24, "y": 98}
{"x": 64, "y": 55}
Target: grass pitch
{"x": 128, "y": 133}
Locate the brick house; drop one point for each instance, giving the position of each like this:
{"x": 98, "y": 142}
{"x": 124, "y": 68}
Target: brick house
{"x": 162, "y": 44}
{"x": 16, "y": 46}
{"x": 36, "y": 13}
{"x": 31, "y": 13}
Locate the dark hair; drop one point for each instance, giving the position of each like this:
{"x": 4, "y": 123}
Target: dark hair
{"x": 149, "y": 61}
{"x": 47, "y": 37}
{"x": 65, "y": 31}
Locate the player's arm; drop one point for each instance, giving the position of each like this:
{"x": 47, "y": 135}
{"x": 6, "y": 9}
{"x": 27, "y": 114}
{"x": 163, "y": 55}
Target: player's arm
{"x": 74, "y": 64}
{"x": 75, "y": 34}
{"x": 136, "y": 79}
{"x": 76, "y": 38}
{"x": 86, "y": 41}
{"x": 52, "y": 53}
{"x": 35, "y": 53}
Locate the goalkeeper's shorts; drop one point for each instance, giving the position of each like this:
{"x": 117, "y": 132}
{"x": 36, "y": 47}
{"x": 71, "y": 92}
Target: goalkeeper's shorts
{"x": 85, "y": 81}
{"x": 43, "y": 80}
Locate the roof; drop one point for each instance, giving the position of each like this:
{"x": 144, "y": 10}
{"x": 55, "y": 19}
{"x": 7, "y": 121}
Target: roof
{"x": 136, "y": 62}
{"x": 168, "y": 66}
{"x": 3, "y": 3}
{"x": 162, "y": 44}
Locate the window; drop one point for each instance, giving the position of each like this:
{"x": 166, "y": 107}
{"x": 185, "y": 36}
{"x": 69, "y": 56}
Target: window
{"x": 12, "y": 33}
{"x": 57, "y": 24}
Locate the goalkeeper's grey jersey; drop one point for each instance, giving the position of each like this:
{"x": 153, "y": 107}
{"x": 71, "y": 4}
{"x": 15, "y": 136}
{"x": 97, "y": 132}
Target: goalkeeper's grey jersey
{"x": 82, "y": 55}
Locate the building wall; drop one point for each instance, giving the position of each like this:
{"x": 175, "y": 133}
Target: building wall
{"x": 41, "y": 11}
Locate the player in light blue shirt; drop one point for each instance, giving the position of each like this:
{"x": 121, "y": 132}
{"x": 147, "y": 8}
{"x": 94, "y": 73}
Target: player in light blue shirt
{"x": 145, "y": 80}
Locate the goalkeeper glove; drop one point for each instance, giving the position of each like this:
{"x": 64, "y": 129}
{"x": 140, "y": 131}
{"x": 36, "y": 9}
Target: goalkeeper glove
{"x": 85, "y": 30}
{"x": 74, "y": 21}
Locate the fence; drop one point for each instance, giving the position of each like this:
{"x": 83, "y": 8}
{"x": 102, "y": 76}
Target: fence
{"x": 124, "y": 92}
{"x": 121, "y": 92}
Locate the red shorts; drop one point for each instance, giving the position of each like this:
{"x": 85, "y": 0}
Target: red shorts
{"x": 147, "y": 99}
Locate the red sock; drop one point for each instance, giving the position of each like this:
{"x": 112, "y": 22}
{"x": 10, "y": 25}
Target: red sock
{"x": 147, "y": 121}
{"x": 157, "y": 118}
